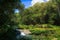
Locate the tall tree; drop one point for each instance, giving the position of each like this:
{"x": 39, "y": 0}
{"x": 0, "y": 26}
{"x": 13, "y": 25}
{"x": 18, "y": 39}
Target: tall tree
{"x": 7, "y": 21}
{"x": 57, "y": 3}
{"x": 47, "y": 12}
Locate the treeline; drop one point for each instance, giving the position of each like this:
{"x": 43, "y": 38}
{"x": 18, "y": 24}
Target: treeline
{"x": 42, "y": 13}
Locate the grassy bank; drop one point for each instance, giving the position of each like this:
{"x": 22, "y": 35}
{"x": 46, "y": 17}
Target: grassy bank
{"x": 43, "y": 32}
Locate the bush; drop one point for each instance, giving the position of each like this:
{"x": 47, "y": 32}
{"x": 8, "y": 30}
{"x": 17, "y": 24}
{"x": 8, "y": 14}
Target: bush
{"x": 39, "y": 32}
{"x": 26, "y": 26}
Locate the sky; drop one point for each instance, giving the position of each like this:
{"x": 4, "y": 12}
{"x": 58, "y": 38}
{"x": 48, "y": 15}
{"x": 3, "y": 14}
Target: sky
{"x": 29, "y": 3}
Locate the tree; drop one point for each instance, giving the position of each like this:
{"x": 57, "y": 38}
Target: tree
{"x": 7, "y": 21}
{"x": 42, "y": 13}
{"x": 57, "y": 2}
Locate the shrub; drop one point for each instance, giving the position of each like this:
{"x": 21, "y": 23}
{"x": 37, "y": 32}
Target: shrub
{"x": 39, "y": 32}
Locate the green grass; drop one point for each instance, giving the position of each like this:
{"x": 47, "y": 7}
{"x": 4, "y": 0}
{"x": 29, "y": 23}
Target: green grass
{"x": 43, "y": 32}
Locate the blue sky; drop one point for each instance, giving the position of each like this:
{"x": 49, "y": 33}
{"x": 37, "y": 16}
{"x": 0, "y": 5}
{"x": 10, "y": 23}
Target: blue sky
{"x": 27, "y": 3}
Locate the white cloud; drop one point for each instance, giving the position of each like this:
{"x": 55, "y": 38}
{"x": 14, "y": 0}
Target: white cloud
{"x": 35, "y": 1}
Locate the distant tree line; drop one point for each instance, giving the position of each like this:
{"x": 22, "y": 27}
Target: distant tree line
{"x": 42, "y": 13}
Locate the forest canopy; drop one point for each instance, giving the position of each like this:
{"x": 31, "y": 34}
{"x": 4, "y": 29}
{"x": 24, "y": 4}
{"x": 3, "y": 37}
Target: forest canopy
{"x": 42, "y": 13}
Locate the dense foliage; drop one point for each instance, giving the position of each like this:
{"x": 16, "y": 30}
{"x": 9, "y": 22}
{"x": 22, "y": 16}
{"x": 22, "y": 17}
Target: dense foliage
{"x": 38, "y": 19}
{"x": 7, "y": 19}
{"x": 42, "y": 13}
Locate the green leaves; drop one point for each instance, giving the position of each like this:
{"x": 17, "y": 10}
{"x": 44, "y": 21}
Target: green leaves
{"x": 7, "y": 18}
{"x": 42, "y": 13}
